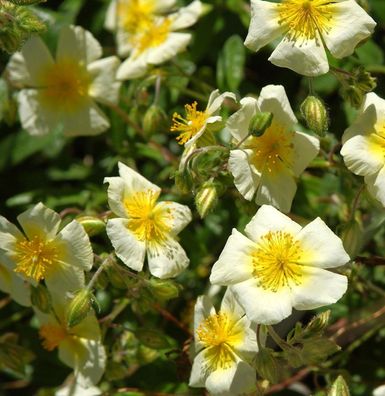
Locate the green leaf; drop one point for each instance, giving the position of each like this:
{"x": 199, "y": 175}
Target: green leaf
{"x": 370, "y": 54}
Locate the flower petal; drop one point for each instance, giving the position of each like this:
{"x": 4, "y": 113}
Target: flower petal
{"x": 186, "y": 16}
{"x": 376, "y": 185}
{"x": 202, "y": 310}
{"x": 198, "y": 373}
{"x": 64, "y": 278}
{"x": 94, "y": 366}
{"x": 216, "y": 100}
{"x": 321, "y": 247}
{"x": 134, "y": 181}
{"x": 230, "y": 304}
{"x": 180, "y": 215}
{"x": 17, "y": 71}
{"x": 133, "y": 67}
{"x": 306, "y": 148}
{"x": 238, "y": 123}
{"x": 115, "y": 194}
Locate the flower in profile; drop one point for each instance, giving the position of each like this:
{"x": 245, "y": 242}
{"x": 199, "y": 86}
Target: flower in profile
{"x": 265, "y": 167}
{"x": 42, "y": 252}
{"x": 364, "y": 145}
{"x": 64, "y": 91}
{"x": 279, "y": 265}
{"x": 130, "y": 17}
{"x": 225, "y": 343}
{"x": 196, "y": 122}
{"x": 307, "y": 27}
{"x": 145, "y": 225}
{"x": 158, "y": 40}
{"x": 80, "y": 346}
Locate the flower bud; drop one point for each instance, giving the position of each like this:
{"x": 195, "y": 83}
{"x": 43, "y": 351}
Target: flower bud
{"x": 152, "y": 338}
{"x": 364, "y": 80}
{"x": 92, "y": 225}
{"x": 40, "y": 298}
{"x": 352, "y": 238}
{"x": 206, "y": 198}
{"x": 339, "y": 387}
{"x": 259, "y": 123}
{"x": 318, "y": 323}
{"x": 79, "y": 307}
{"x": 183, "y": 181}
{"x": 163, "y": 289}
{"x": 155, "y": 121}
{"x": 315, "y": 114}
{"x": 353, "y": 95}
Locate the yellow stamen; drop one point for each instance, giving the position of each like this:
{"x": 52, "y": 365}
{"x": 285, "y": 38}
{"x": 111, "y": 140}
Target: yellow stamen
{"x": 135, "y": 15}
{"x": 189, "y": 126}
{"x": 275, "y": 261}
{"x": 305, "y": 19}
{"x": 147, "y": 221}
{"x": 52, "y": 335}
{"x": 220, "y": 333}
{"x": 36, "y": 257}
{"x": 273, "y": 151}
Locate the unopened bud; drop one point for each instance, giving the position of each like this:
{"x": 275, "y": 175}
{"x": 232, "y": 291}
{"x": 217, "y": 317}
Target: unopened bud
{"x": 79, "y": 307}
{"x": 183, "y": 181}
{"x": 352, "y": 237}
{"x": 152, "y": 338}
{"x": 40, "y": 298}
{"x": 339, "y": 387}
{"x": 163, "y": 289}
{"x": 259, "y": 123}
{"x": 318, "y": 323}
{"x": 315, "y": 114}
{"x": 92, "y": 225}
{"x": 266, "y": 365}
{"x": 155, "y": 121}
{"x": 353, "y": 95}
{"x": 364, "y": 80}
{"x": 206, "y": 198}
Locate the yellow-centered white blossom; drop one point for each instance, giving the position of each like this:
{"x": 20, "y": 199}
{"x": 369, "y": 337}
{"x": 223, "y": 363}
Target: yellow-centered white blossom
{"x": 145, "y": 225}
{"x": 224, "y": 345}
{"x": 265, "y": 167}
{"x": 364, "y": 145}
{"x": 279, "y": 265}
{"x": 309, "y": 28}
{"x": 62, "y": 92}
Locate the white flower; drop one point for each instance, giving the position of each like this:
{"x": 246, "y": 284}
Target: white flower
{"x": 62, "y": 92}
{"x": 197, "y": 122}
{"x": 225, "y": 343}
{"x": 266, "y": 167}
{"x": 364, "y": 145}
{"x": 130, "y": 17}
{"x": 307, "y": 27}
{"x": 145, "y": 225}
{"x": 379, "y": 391}
{"x": 42, "y": 252}
{"x": 279, "y": 265}
{"x": 159, "y": 41}
{"x": 78, "y": 386}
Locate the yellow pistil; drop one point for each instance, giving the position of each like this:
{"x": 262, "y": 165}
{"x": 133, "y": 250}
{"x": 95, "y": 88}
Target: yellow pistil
{"x": 219, "y": 333}
{"x": 135, "y": 15}
{"x": 305, "y": 19}
{"x": 52, "y": 335}
{"x": 65, "y": 86}
{"x": 273, "y": 151}
{"x": 35, "y": 257}
{"x": 189, "y": 126}
{"x": 275, "y": 261}
{"x": 147, "y": 221}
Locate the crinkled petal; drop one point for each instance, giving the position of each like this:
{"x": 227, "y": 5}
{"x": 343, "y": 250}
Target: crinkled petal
{"x": 320, "y": 246}
{"x": 198, "y": 373}
{"x": 230, "y": 304}
{"x": 180, "y": 215}
{"x": 17, "y": 71}
{"x": 306, "y": 148}
{"x": 238, "y": 123}
{"x": 93, "y": 368}
{"x": 216, "y": 100}
{"x": 134, "y": 181}
{"x": 186, "y": 16}
{"x": 376, "y": 185}
{"x": 235, "y": 262}
{"x": 115, "y": 194}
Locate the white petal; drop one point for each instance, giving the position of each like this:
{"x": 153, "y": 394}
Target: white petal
{"x": 376, "y": 185}
{"x": 40, "y": 220}
{"x": 248, "y": 347}
{"x": 115, "y": 193}
{"x": 127, "y": 247}
{"x": 76, "y": 387}
{"x": 306, "y": 148}
{"x": 180, "y": 215}
{"x": 94, "y": 366}
{"x": 72, "y": 352}
{"x": 17, "y": 71}
{"x": 318, "y": 288}
{"x": 198, "y": 373}
{"x": 64, "y": 278}
{"x": 261, "y": 305}
{"x": 77, "y": 43}
{"x": 246, "y": 178}
{"x": 277, "y": 190}
{"x": 321, "y": 247}
{"x": 166, "y": 260}
{"x": 8, "y": 227}
{"x": 133, "y": 67}
{"x": 12, "y": 284}
{"x": 270, "y": 219}
{"x": 202, "y": 310}
{"x": 230, "y": 304}
{"x": 216, "y": 100}
{"x": 110, "y": 23}
{"x": 379, "y": 391}
{"x": 273, "y": 99}
{"x": 134, "y": 181}
{"x": 264, "y": 26}
{"x": 235, "y": 262}
{"x": 306, "y": 57}
{"x": 103, "y": 73}
{"x": 163, "y": 6}
{"x": 175, "y": 43}
{"x": 350, "y": 25}
{"x": 363, "y": 155}
{"x": 238, "y": 123}
{"x": 186, "y": 16}
{"x": 123, "y": 42}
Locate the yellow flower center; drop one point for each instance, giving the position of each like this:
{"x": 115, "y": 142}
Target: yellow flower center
{"x": 303, "y": 19}
{"x": 35, "y": 257}
{"x": 135, "y": 15}
{"x": 52, "y": 335}
{"x": 220, "y": 333}
{"x": 147, "y": 221}
{"x": 376, "y": 141}
{"x": 275, "y": 261}
{"x": 273, "y": 151}
{"x": 65, "y": 86}
{"x": 189, "y": 126}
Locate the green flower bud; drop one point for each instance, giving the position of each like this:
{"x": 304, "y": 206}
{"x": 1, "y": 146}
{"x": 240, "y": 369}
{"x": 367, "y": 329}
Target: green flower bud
{"x": 364, "y": 80}
{"x": 318, "y": 323}
{"x": 163, "y": 289}
{"x": 155, "y": 121}
{"x": 92, "y": 225}
{"x": 339, "y": 387}
{"x": 259, "y": 123}
{"x": 315, "y": 115}
{"x": 40, "y": 298}
{"x": 266, "y": 365}
{"x": 79, "y": 307}
{"x": 352, "y": 236}
{"x": 206, "y": 198}
{"x": 152, "y": 338}
{"x": 183, "y": 181}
